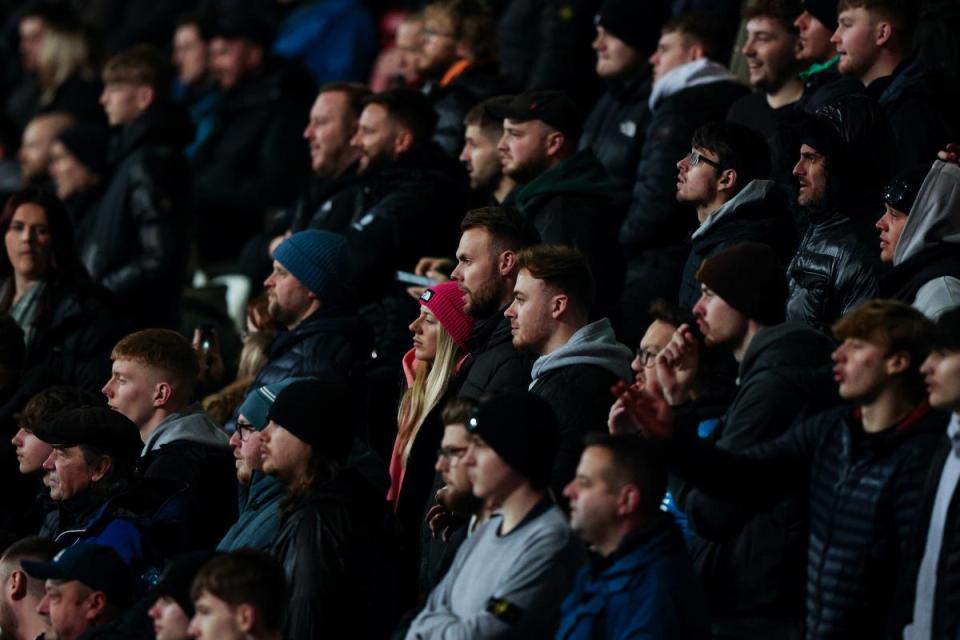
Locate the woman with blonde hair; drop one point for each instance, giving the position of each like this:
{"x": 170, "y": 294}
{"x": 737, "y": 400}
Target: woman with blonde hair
{"x": 440, "y": 335}
{"x": 68, "y": 76}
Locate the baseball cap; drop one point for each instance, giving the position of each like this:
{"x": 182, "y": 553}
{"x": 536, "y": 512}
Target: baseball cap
{"x": 107, "y": 430}
{"x": 554, "y": 108}
{"x": 97, "y": 566}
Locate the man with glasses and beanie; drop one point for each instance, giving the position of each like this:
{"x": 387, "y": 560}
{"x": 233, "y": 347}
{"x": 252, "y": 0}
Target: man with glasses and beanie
{"x": 751, "y": 564}
{"x": 510, "y": 576}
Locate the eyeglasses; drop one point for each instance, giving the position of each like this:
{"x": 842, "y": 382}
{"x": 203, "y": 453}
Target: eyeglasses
{"x": 647, "y": 358}
{"x": 245, "y": 430}
{"x": 452, "y": 455}
{"x": 695, "y": 158}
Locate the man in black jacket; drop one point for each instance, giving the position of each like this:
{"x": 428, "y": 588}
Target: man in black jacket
{"x": 930, "y": 599}
{"x": 481, "y": 158}
{"x": 153, "y": 378}
{"x": 863, "y": 467}
{"x": 627, "y": 33}
{"x": 783, "y": 373}
{"x": 550, "y": 317}
{"x": 689, "y": 89}
{"x": 486, "y": 273}
{"x": 136, "y": 241}
{"x": 845, "y": 159}
{"x": 724, "y": 178}
{"x": 255, "y": 157}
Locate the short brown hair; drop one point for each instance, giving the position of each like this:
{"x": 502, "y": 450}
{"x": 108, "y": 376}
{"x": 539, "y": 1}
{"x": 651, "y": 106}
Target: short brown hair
{"x": 53, "y": 400}
{"x": 563, "y": 269}
{"x": 356, "y": 95}
{"x": 783, "y": 11}
{"x": 902, "y": 13}
{"x": 702, "y": 28}
{"x": 161, "y": 349}
{"x": 471, "y": 22}
{"x": 246, "y": 576}
{"x": 895, "y": 326}
{"x": 480, "y": 118}
{"x": 508, "y": 227}
{"x": 140, "y": 64}
{"x": 458, "y": 411}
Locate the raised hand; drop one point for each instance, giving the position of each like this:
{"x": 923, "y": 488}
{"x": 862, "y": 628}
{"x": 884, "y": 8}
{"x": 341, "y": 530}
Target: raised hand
{"x": 645, "y": 412}
{"x": 677, "y": 366}
{"x": 950, "y": 154}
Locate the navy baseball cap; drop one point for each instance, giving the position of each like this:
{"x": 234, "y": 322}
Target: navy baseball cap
{"x": 554, "y": 108}
{"x": 95, "y": 565}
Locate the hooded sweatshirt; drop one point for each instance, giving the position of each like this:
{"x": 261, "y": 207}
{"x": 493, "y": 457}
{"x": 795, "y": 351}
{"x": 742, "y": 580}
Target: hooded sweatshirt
{"x": 692, "y": 74}
{"x": 192, "y": 425}
{"x": 926, "y": 262}
{"x": 594, "y": 344}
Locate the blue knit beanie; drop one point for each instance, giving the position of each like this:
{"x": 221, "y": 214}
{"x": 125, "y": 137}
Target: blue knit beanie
{"x": 320, "y": 260}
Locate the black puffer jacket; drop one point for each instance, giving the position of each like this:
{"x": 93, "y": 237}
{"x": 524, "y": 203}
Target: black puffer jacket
{"x": 758, "y": 213}
{"x": 837, "y": 264}
{"x": 254, "y": 158}
{"x": 452, "y": 102}
{"x": 616, "y": 127}
{"x": 863, "y": 493}
{"x": 751, "y": 563}
{"x": 493, "y": 365}
{"x": 330, "y": 205}
{"x": 332, "y": 546}
{"x": 136, "y": 242}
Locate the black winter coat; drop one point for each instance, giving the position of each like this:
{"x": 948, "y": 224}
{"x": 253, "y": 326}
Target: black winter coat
{"x": 616, "y": 128}
{"x": 863, "y": 492}
{"x": 751, "y": 563}
{"x": 493, "y": 365}
{"x": 452, "y": 102}
{"x": 331, "y": 545}
{"x": 329, "y": 205}
{"x": 136, "y": 241}
{"x": 254, "y": 158}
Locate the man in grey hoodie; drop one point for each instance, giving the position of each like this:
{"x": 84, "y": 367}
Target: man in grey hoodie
{"x": 152, "y": 382}
{"x": 579, "y": 361}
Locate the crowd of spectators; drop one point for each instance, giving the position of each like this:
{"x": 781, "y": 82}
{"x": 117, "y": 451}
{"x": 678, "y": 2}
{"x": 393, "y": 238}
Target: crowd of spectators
{"x": 480, "y": 319}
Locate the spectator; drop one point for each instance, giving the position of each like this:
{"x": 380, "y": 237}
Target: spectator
{"x": 457, "y": 63}
{"x": 239, "y": 596}
{"x": 549, "y": 316}
{"x": 35, "y": 147}
{"x": 255, "y": 158}
{"x": 724, "y": 178}
{"x": 919, "y": 233}
{"x": 509, "y": 577}
{"x": 136, "y": 242}
{"x": 11, "y": 178}
{"x": 152, "y": 382}
{"x": 863, "y": 499}
{"x": 22, "y": 593}
{"x": 823, "y": 83}
{"x": 221, "y": 406}
{"x": 67, "y": 73}
{"x": 91, "y": 477}
{"x": 689, "y": 89}
{"x": 78, "y": 167}
{"x": 931, "y": 590}
{"x": 844, "y": 162}
{"x": 782, "y": 376}
{"x": 440, "y": 335}
{"x": 27, "y": 508}
{"x": 874, "y": 40}
{"x": 615, "y": 130}
{"x": 172, "y": 608}
{"x": 331, "y": 541}
{"x": 486, "y": 273}
{"x": 481, "y": 157}
{"x": 260, "y": 494}
{"x": 566, "y": 193}
{"x": 87, "y": 586}
{"x": 770, "y": 51}
{"x": 193, "y": 86}
{"x": 640, "y": 580}
{"x": 66, "y": 321}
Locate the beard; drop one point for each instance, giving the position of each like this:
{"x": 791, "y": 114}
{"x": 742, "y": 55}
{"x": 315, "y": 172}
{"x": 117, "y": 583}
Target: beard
{"x": 461, "y": 503}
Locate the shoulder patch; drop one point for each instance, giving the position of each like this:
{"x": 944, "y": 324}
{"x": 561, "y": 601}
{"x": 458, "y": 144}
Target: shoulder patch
{"x": 503, "y": 610}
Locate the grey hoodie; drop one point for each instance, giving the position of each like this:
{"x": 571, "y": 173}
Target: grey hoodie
{"x": 692, "y": 74}
{"x": 593, "y": 344}
{"x": 754, "y": 191}
{"x": 193, "y": 425}
{"x": 934, "y": 219}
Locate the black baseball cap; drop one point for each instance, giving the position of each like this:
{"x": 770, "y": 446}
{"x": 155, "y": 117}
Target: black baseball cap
{"x": 107, "y": 430}
{"x": 95, "y": 565}
{"x": 554, "y": 108}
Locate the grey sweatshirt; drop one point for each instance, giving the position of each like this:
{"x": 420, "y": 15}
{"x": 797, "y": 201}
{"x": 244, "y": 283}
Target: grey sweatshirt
{"x": 192, "y": 424}
{"x": 593, "y": 344}
{"x": 504, "y": 586}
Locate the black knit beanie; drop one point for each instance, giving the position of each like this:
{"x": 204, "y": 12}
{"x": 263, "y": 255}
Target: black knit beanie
{"x": 636, "y": 23}
{"x": 88, "y": 144}
{"x": 749, "y": 277}
{"x": 318, "y": 412}
{"x": 823, "y": 10}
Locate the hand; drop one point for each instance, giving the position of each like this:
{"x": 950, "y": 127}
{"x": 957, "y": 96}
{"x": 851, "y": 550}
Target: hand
{"x": 441, "y": 520}
{"x": 649, "y": 412}
{"x": 434, "y": 268}
{"x": 619, "y": 420}
{"x": 677, "y": 366}
{"x": 210, "y": 362}
{"x": 950, "y": 154}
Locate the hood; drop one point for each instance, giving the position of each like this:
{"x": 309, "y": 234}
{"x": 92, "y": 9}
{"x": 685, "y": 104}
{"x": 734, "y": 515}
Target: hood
{"x": 791, "y": 344}
{"x": 692, "y": 74}
{"x": 581, "y": 173}
{"x": 913, "y": 74}
{"x": 192, "y": 425}
{"x": 756, "y": 191}
{"x": 593, "y": 344}
{"x": 935, "y": 216}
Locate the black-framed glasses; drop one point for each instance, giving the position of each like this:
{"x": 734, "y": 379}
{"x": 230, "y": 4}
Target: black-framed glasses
{"x": 245, "y": 430}
{"x": 695, "y": 158}
{"x": 452, "y": 454}
{"x": 647, "y": 358}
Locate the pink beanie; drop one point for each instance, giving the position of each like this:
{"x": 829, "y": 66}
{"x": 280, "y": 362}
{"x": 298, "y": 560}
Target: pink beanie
{"x": 445, "y": 301}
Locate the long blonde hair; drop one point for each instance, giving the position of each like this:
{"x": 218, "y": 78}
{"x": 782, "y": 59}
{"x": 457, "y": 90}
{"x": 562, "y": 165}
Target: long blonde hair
{"x": 63, "y": 53}
{"x": 429, "y": 384}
